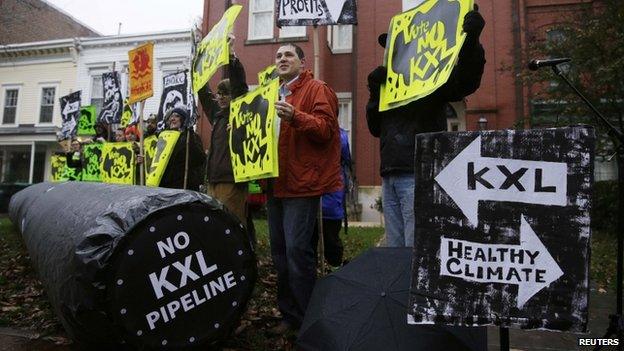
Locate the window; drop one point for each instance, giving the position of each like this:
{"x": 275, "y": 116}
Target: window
{"x": 261, "y": 19}
{"x": 410, "y": 4}
{"x": 292, "y": 31}
{"x": 344, "y": 113}
{"x": 15, "y": 163}
{"x": 47, "y": 104}
{"x": 10, "y": 106}
{"x": 97, "y": 92}
{"x": 340, "y": 38}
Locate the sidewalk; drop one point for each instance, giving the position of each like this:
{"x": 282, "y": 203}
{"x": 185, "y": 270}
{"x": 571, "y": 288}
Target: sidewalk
{"x": 601, "y": 305}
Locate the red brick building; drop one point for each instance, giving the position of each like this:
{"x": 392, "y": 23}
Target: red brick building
{"x": 23, "y": 21}
{"x": 348, "y": 54}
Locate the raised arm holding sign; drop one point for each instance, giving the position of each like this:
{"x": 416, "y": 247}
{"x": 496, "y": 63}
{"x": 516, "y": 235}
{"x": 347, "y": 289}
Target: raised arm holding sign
{"x": 213, "y": 51}
{"x": 396, "y": 128}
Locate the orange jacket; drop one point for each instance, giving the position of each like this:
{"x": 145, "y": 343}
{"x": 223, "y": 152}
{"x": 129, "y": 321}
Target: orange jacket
{"x": 309, "y": 145}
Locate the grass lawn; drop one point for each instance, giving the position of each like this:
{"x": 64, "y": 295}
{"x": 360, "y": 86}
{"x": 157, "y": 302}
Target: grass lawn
{"x": 23, "y": 303}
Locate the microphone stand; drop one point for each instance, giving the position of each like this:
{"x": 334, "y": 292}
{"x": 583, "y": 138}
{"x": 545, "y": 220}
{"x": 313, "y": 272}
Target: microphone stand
{"x": 616, "y": 322}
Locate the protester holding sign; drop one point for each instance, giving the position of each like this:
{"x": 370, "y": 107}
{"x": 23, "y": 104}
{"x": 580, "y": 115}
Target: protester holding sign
{"x": 219, "y": 173}
{"x": 173, "y": 176}
{"x": 74, "y": 161}
{"x": 397, "y": 128}
{"x": 309, "y": 166}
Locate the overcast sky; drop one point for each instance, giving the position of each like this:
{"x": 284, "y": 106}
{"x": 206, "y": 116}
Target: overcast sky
{"x": 136, "y": 16}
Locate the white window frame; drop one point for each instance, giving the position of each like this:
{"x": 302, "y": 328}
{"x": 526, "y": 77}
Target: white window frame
{"x": 41, "y": 86}
{"x": 346, "y": 98}
{"x": 32, "y": 157}
{"x": 332, "y": 39}
{"x": 292, "y": 31}
{"x": 5, "y": 87}
{"x": 251, "y": 22}
{"x": 95, "y": 70}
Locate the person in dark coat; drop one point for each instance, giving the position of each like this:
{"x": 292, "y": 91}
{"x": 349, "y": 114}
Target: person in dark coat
{"x": 397, "y": 128}
{"x": 173, "y": 176}
{"x": 219, "y": 173}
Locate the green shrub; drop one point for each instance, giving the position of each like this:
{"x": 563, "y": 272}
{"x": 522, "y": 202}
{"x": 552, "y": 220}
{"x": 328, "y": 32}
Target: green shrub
{"x": 604, "y": 206}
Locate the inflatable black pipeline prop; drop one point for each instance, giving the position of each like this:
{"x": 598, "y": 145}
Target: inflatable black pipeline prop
{"x": 153, "y": 267}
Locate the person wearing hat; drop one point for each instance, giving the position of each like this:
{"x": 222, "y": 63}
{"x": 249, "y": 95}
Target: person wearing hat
{"x": 173, "y": 177}
{"x": 397, "y": 129}
{"x": 151, "y": 125}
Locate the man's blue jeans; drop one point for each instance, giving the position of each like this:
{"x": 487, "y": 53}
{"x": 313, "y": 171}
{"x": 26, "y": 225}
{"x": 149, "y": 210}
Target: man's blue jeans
{"x": 398, "y": 208}
{"x": 291, "y": 229}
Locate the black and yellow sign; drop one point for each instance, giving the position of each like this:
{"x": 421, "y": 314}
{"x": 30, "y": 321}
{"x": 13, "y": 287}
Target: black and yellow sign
{"x": 92, "y": 154}
{"x": 86, "y": 123}
{"x": 267, "y": 74}
{"x": 127, "y": 115}
{"x": 213, "y": 51}
{"x": 423, "y": 47}
{"x": 166, "y": 142}
{"x": 117, "y": 163}
{"x": 58, "y": 163}
{"x": 149, "y": 147}
{"x": 253, "y": 146}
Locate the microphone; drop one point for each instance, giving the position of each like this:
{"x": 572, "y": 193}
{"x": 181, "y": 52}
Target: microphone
{"x": 535, "y": 64}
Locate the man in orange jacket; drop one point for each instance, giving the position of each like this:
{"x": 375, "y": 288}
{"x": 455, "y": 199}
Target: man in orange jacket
{"x": 309, "y": 166}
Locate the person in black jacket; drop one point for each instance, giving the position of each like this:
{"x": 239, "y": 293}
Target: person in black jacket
{"x": 397, "y": 128}
{"x": 173, "y": 177}
{"x": 219, "y": 173}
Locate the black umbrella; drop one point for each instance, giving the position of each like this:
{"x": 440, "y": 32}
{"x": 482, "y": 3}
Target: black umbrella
{"x": 363, "y": 306}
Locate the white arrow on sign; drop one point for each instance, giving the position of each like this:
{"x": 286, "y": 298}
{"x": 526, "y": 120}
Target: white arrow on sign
{"x": 469, "y": 178}
{"x": 528, "y": 265}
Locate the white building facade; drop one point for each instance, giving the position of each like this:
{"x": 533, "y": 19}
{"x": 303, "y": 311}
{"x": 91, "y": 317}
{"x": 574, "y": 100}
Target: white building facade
{"x": 172, "y": 53}
{"x": 33, "y": 76}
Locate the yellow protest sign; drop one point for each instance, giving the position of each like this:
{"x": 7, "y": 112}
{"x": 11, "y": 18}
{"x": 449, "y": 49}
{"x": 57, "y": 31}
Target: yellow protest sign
{"x": 267, "y": 74}
{"x": 213, "y": 51}
{"x": 423, "y": 46}
{"x": 118, "y": 163}
{"x": 164, "y": 146}
{"x": 57, "y": 165}
{"x": 149, "y": 147}
{"x": 253, "y": 145}
{"x": 141, "y": 75}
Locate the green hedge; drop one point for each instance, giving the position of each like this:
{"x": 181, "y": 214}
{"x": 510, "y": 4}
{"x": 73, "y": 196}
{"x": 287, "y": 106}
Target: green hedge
{"x": 604, "y": 206}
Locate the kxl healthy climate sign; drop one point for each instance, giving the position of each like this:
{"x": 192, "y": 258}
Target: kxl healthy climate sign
{"x": 502, "y": 228}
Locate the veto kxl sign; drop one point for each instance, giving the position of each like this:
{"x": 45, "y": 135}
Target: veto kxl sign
{"x": 502, "y": 228}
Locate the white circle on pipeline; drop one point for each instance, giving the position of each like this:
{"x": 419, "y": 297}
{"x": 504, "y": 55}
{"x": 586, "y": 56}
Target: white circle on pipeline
{"x": 130, "y": 252}
{"x": 242, "y": 277}
{"x": 216, "y": 325}
{"x": 206, "y": 219}
{"x": 164, "y": 342}
{"x": 240, "y": 252}
{"x": 191, "y": 339}
{"x": 152, "y": 229}
{"x": 179, "y": 217}
{"x": 119, "y": 281}
{"x": 234, "y": 304}
{"x": 123, "y": 311}
{"x": 227, "y": 231}
{"x": 139, "y": 332}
